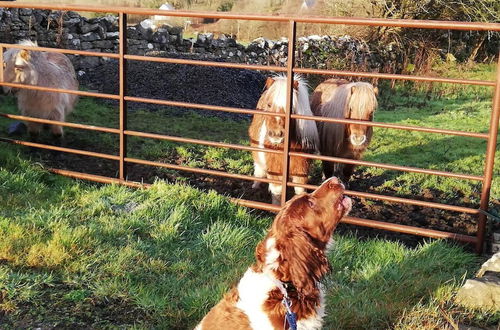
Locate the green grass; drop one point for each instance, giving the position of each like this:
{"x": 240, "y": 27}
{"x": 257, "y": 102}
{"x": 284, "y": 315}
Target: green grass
{"x": 80, "y": 255}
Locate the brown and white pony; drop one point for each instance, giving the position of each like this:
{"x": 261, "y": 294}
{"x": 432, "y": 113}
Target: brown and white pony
{"x": 341, "y": 99}
{"x": 46, "y": 70}
{"x": 290, "y": 263}
{"x": 269, "y": 132}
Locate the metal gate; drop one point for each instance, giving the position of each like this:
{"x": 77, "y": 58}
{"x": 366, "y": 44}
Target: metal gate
{"x": 123, "y": 159}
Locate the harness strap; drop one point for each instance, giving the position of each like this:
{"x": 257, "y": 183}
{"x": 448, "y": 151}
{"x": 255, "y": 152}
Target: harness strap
{"x": 290, "y": 316}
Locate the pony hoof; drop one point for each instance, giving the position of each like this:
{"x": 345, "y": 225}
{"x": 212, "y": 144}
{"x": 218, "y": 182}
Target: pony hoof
{"x": 17, "y": 128}
{"x": 256, "y": 185}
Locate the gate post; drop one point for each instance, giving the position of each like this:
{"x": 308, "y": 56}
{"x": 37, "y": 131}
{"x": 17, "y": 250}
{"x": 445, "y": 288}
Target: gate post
{"x": 122, "y": 92}
{"x": 489, "y": 162}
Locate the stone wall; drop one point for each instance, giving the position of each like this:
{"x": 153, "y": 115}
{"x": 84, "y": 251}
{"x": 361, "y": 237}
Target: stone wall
{"x": 73, "y": 31}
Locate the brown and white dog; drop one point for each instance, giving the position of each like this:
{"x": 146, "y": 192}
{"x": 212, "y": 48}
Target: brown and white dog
{"x": 291, "y": 261}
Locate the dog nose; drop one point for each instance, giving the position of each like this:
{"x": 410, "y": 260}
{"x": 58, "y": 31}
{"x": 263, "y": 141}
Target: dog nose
{"x": 334, "y": 181}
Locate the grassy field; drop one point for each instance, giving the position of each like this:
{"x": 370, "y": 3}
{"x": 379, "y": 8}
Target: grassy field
{"x": 76, "y": 255}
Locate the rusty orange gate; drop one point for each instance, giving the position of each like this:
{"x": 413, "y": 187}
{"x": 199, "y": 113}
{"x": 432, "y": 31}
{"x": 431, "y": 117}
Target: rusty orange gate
{"x": 123, "y": 98}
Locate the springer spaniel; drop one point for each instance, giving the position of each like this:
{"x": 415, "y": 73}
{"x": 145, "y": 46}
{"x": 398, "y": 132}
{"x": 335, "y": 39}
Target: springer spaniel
{"x": 282, "y": 289}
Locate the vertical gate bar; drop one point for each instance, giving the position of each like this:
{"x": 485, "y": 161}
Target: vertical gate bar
{"x": 1, "y": 63}
{"x": 288, "y": 107}
{"x": 123, "y": 92}
{"x": 489, "y": 162}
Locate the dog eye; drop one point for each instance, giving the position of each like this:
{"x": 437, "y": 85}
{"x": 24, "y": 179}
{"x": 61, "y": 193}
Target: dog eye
{"x": 311, "y": 202}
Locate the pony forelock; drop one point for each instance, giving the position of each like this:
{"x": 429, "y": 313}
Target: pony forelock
{"x": 27, "y": 42}
{"x": 306, "y": 130}
{"x": 363, "y": 101}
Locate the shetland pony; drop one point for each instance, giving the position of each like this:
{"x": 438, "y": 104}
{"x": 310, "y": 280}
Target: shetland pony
{"x": 269, "y": 132}
{"x": 46, "y": 70}
{"x": 290, "y": 263}
{"x": 341, "y": 99}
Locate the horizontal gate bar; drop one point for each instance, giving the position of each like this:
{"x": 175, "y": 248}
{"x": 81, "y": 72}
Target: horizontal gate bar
{"x": 394, "y": 126}
{"x": 62, "y": 123}
{"x": 408, "y": 229}
{"x": 199, "y": 170}
{"x": 274, "y": 208}
{"x": 421, "y": 24}
{"x": 60, "y": 50}
{"x": 68, "y": 150}
{"x": 388, "y": 166}
{"x": 394, "y": 199}
{"x": 205, "y": 63}
{"x": 202, "y": 142}
{"x": 202, "y": 106}
{"x": 97, "y": 178}
{"x": 60, "y": 90}
{"x": 395, "y": 76}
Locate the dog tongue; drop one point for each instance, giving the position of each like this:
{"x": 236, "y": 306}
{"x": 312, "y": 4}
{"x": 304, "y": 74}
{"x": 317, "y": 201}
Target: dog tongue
{"x": 345, "y": 204}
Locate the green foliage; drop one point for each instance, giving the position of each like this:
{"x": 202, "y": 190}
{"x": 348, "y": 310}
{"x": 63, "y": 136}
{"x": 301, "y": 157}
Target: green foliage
{"x": 226, "y": 6}
{"x": 418, "y": 46}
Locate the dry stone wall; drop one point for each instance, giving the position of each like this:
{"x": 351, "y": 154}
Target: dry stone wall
{"x": 73, "y": 31}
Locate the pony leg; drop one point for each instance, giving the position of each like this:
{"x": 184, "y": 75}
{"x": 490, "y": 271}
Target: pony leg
{"x": 34, "y": 130}
{"x": 347, "y": 171}
{"x": 57, "y": 130}
{"x": 258, "y": 172}
{"x": 328, "y": 169}
{"x": 301, "y": 180}
{"x": 276, "y": 190}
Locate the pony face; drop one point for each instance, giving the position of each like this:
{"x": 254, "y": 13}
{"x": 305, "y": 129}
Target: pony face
{"x": 275, "y": 101}
{"x": 275, "y": 130}
{"x": 362, "y": 105}
{"x": 17, "y": 67}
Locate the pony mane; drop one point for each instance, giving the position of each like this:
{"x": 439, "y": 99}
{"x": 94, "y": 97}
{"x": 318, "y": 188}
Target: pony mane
{"x": 349, "y": 103}
{"x": 27, "y": 42}
{"x": 306, "y": 130}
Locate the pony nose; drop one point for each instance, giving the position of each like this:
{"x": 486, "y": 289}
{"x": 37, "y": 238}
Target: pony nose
{"x": 358, "y": 140}
{"x": 276, "y": 134}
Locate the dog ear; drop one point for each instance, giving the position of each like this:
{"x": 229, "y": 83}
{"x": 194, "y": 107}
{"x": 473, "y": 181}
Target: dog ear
{"x": 25, "y": 54}
{"x": 301, "y": 263}
{"x": 269, "y": 82}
